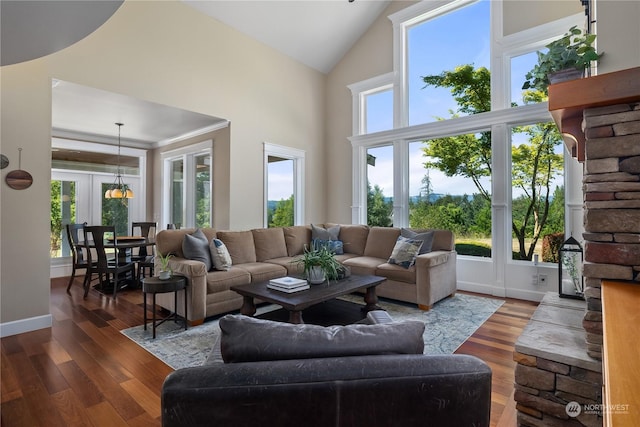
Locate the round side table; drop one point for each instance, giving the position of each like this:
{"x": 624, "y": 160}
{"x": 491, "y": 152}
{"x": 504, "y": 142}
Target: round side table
{"x": 153, "y": 286}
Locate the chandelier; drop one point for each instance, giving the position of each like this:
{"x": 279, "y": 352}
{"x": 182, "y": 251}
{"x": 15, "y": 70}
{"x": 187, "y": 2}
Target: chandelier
{"x": 119, "y": 190}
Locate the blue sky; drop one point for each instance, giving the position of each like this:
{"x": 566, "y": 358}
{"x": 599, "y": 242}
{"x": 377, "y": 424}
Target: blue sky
{"x": 433, "y": 48}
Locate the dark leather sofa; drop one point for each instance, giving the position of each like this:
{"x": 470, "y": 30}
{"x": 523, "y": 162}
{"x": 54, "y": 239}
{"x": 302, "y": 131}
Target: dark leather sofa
{"x": 366, "y": 391}
{"x": 381, "y": 389}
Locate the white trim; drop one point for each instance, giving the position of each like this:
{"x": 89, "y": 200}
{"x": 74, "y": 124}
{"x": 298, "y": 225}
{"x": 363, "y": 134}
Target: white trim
{"x": 25, "y": 325}
{"x": 299, "y": 159}
{"x": 187, "y": 155}
{"x": 192, "y": 134}
{"x": 457, "y": 126}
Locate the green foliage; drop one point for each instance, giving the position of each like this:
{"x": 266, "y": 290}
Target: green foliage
{"x": 534, "y": 166}
{"x": 115, "y": 212}
{"x": 282, "y": 215}
{"x": 379, "y": 211}
{"x": 463, "y": 215}
{"x": 463, "y": 155}
{"x": 321, "y": 257}
{"x": 203, "y": 199}
{"x": 474, "y": 249}
{"x": 164, "y": 261}
{"x": 56, "y": 216}
{"x": 534, "y": 163}
{"x": 573, "y": 50}
{"x": 62, "y": 212}
{"x": 470, "y": 87}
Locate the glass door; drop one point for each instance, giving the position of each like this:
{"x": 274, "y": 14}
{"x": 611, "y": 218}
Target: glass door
{"x": 117, "y": 212}
{"x": 69, "y": 204}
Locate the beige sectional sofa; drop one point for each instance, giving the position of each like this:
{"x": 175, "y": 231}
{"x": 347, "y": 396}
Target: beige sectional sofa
{"x": 267, "y": 253}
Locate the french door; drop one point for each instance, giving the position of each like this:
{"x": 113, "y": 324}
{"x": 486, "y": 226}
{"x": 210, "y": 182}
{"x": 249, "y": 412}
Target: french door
{"x": 78, "y": 197}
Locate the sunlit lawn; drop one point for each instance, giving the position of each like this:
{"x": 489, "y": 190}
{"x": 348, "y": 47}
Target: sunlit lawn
{"x": 476, "y": 246}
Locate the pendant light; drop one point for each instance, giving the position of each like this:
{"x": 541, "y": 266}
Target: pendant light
{"x": 119, "y": 190}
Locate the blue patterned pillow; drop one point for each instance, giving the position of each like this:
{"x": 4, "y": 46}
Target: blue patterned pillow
{"x": 334, "y": 246}
{"x": 405, "y": 252}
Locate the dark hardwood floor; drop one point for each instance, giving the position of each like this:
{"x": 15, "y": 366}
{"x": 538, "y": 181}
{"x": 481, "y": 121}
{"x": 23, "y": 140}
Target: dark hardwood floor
{"x": 84, "y": 372}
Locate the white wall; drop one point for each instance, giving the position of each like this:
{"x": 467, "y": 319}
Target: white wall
{"x": 164, "y": 52}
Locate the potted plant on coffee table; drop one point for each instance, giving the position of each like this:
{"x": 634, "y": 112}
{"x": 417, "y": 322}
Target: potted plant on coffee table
{"x": 319, "y": 264}
{"x": 570, "y": 54}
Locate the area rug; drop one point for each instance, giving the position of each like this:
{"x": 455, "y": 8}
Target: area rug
{"x": 448, "y": 324}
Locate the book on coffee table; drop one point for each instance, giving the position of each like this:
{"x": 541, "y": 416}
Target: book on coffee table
{"x": 288, "y": 290}
{"x": 288, "y": 282}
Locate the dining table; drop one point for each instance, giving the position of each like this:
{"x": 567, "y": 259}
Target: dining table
{"x": 124, "y": 246}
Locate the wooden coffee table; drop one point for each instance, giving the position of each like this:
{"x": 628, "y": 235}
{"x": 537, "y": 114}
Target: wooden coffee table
{"x": 298, "y": 301}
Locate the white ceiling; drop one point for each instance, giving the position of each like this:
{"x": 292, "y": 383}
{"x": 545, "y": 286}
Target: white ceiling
{"x": 317, "y": 33}
{"x": 83, "y": 112}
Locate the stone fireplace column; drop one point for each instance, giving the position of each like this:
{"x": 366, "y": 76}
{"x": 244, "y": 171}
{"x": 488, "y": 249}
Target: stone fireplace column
{"x": 611, "y": 207}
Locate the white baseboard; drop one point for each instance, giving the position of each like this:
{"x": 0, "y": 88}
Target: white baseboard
{"x": 498, "y": 291}
{"x": 25, "y": 325}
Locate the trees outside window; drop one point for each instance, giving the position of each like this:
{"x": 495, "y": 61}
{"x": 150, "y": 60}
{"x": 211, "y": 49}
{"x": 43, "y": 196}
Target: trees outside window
{"x": 535, "y": 160}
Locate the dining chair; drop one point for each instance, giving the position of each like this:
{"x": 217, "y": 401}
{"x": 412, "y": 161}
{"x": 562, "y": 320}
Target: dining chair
{"x": 78, "y": 251}
{"x": 143, "y": 258}
{"x": 104, "y": 242}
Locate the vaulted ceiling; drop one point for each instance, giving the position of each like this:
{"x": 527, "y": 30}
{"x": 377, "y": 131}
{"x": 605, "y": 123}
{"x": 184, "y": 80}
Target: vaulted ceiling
{"x": 316, "y": 33}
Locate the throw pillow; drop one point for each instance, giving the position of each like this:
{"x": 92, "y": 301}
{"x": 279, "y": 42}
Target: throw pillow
{"x": 195, "y": 246}
{"x": 405, "y": 252}
{"x": 325, "y": 234}
{"x": 247, "y": 339}
{"x": 219, "y": 255}
{"x": 325, "y": 237}
{"x": 334, "y": 246}
{"x": 426, "y": 237}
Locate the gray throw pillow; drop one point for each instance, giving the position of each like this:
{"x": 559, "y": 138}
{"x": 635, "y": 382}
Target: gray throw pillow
{"x": 426, "y": 237}
{"x": 195, "y": 246}
{"x": 321, "y": 233}
{"x": 247, "y": 339}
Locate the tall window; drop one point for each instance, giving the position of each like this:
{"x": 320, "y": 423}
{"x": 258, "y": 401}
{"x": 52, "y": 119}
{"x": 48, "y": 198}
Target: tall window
{"x": 63, "y": 212}
{"x": 471, "y": 152}
{"x": 280, "y": 192}
{"x": 283, "y": 186}
{"x": 433, "y": 48}
{"x": 187, "y": 200}
{"x": 380, "y": 186}
{"x": 450, "y": 188}
{"x": 379, "y": 110}
{"x": 537, "y": 198}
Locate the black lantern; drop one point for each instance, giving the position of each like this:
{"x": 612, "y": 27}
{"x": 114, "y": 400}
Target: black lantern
{"x": 570, "y": 259}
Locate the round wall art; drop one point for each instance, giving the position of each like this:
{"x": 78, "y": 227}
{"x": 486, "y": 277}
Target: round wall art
{"x": 4, "y": 161}
{"x": 19, "y": 179}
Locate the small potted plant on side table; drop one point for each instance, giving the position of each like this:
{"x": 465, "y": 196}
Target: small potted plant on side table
{"x": 165, "y": 270}
{"x": 570, "y": 54}
{"x": 319, "y": 264}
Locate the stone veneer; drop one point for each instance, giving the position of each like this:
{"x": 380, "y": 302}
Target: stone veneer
{"x": 556, "y": 364}
{"x": 611, "y": 207}
{"x": 553, "y": 368}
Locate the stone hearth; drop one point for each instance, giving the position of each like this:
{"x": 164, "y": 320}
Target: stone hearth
{"x": 553, "y": 368}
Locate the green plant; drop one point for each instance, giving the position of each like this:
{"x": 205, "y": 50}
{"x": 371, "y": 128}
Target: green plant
{"x": 164, "y": 261}
{"x": 321, "y": 257}
{"x": 573, "y": 50}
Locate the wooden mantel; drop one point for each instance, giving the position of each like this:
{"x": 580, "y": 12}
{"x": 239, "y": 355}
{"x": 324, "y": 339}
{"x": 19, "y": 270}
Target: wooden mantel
{"x": 567, "y": 101}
